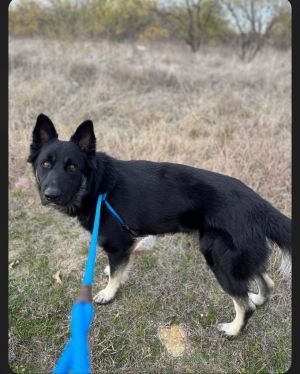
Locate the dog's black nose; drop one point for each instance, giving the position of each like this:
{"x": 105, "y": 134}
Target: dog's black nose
{"x": 52, "y": 194}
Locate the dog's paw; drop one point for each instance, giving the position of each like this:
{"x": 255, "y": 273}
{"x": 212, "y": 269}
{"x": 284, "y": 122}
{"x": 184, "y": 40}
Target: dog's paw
{"x": 257, "y": 299}
{"x": 229, "y": 329}
{"x": 103, "y": 297}
{"x": 107, "y": 270}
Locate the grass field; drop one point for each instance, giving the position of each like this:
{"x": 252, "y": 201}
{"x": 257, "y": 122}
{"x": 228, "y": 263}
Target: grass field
{"x": 164, "y": 104}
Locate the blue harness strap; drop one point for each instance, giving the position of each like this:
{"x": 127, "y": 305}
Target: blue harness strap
{"x": 111, "y": 209}
{"x": 120, "y": 219}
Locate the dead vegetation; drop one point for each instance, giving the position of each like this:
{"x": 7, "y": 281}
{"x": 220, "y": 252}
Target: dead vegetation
{"x": 207, "y": 110}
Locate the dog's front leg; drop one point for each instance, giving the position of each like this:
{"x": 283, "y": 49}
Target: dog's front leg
{"x": 144, "y": 244}
{"x": 119, "y": 263}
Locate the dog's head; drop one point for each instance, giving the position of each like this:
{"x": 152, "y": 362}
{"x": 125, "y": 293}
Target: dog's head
{"x": 62, "y": 168}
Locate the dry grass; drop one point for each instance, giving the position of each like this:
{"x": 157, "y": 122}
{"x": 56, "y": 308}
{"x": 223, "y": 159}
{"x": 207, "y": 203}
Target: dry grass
{"x": 164, "y": 104}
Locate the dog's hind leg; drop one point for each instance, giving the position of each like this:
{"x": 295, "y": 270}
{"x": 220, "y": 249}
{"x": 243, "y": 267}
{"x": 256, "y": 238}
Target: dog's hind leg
{"x": 244, "y": 308}
{"x": 265, "y": 286}
{"x": 220, "y": 258}
{"x": 119, "y": 263}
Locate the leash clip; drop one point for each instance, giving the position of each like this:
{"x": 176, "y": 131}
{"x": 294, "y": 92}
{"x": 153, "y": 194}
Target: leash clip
{"x": 128, "y": 229}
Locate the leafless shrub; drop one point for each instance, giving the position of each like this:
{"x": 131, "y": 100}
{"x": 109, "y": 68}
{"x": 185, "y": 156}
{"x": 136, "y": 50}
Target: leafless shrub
{"x": 254, "y": 21}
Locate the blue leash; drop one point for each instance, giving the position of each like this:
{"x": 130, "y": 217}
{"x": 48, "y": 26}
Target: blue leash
{"x": 89, "y": 270}
{"x": 76, "y": 356}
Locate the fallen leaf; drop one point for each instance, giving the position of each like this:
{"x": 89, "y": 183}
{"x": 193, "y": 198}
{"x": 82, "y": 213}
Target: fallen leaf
{"x": 30, "y": 201}
{"x": 174, "y": 339}
{"x": 57, "y": 277}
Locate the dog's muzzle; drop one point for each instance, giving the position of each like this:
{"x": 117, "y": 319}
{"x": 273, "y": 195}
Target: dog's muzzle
{"x": 52, "y": 195}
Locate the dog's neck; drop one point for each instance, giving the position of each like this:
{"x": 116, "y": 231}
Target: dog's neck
{"x": 101, "y": 180}
{"x": 105, "y": 175}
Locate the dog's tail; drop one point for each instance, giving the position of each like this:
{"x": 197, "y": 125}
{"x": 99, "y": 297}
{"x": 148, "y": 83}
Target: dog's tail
{"x": 278, "y": 229}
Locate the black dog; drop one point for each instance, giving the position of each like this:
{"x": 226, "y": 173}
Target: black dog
{"x": 233, "y": 222}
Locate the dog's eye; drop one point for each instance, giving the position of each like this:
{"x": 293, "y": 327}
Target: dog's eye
{"x": 72, "y": 167}
{"x": 46, "y": 164}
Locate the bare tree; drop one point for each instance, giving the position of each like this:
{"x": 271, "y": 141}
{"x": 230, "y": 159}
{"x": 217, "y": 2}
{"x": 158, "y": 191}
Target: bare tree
{"x": 253, "y": 21}
{"x": 191, "y": 18}
{"x": 198, "y": 15}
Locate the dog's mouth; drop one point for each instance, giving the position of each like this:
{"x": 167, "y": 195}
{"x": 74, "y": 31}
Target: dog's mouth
{"x": 61, "y": 201}
{"x": 68, "y": 207}
{"x": 54, "y": 203}
{"x": 67, "y": 204}
{"x": 58, "y": 201}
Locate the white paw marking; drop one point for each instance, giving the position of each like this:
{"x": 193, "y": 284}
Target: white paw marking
{"x": 229, "y": 329}
{"x": 285, "y": 268}
{"x": 257, "y": 299}
{"x": 107, "y": 270}
{"x": 103, "y": 297}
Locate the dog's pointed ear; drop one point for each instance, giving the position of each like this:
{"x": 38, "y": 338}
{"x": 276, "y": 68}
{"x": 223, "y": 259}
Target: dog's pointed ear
{"x": 85, "y": 138}
{"x": 43, "y": 131}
